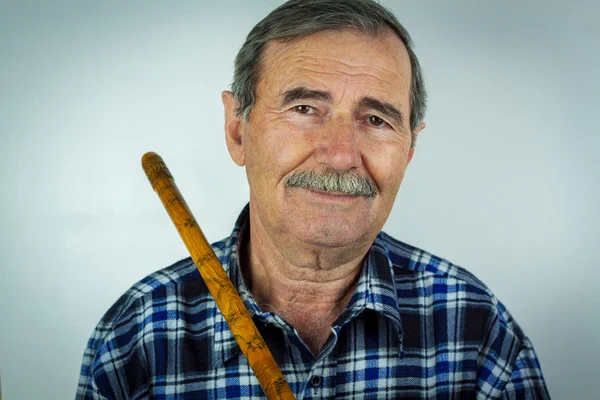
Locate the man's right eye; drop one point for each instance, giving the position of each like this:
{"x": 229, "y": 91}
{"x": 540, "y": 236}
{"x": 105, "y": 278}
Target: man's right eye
{"x": 303, "y": 109}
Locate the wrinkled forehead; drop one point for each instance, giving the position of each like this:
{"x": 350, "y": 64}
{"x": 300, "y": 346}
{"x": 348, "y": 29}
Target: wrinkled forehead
{"x": 333, "y": 55}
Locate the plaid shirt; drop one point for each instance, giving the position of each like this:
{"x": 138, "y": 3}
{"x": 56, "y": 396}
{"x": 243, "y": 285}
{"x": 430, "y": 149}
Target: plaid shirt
{"x": 417, "y": 326}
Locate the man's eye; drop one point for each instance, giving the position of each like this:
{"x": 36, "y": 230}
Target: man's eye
{"x": 303, "y": 109}
{"x": 376, "y": 121}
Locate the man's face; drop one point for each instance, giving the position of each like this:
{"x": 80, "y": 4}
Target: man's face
{"x": 335, "y": 100}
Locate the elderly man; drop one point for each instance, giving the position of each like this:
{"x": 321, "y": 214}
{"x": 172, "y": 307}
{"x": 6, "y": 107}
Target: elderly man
{"x": 325, "y": 109}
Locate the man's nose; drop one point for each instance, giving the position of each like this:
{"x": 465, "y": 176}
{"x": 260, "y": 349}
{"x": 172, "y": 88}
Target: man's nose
{"x": 338, "y": 146}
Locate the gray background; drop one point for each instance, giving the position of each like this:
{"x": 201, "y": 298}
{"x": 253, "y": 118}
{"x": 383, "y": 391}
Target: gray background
{"x": 503, "y": 183}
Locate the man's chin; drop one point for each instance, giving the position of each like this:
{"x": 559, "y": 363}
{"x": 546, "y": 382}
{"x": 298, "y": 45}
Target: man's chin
{"x": 329, "y": 220}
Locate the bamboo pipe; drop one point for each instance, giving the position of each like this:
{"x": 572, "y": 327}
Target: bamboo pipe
{"x": 228, "y": 300}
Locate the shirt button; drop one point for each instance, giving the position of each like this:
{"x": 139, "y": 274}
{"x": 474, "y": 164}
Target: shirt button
{"x": 315, "y": 381}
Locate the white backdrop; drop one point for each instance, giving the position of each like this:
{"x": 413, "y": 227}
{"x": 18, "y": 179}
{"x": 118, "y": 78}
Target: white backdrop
{"x": 504, "y": 181}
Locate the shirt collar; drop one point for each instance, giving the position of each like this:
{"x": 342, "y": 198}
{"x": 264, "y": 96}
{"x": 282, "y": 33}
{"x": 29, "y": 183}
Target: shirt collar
{"x": 375, "y": 291}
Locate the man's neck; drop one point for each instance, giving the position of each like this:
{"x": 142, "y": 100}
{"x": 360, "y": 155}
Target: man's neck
{"x": 308, "y": 286}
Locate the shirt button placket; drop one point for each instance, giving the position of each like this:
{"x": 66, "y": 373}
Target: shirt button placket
{"x": 319, "y": 382}
{"x": 315, "y": 381}
{"x": 321, "y": 376}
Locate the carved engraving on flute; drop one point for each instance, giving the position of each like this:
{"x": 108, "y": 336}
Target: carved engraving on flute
{"x": 190, "y": 223}
{"x": 277, "y": 381}
{"x": 225, "y": 292}
{"x": 204, "y": 258}
{"x": 158, "y": 170}
{"x": 255, "y": 343}
{"x": 174, "y": 200}
{"x": 234, "y": 311}
{"x": 281, "y": 386}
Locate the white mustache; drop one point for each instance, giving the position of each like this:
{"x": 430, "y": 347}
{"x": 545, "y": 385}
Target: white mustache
{"x": 332, "y": 180}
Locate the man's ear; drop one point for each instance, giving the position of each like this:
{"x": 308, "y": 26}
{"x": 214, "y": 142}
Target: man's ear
{"x": 411, "y": 152}
{"x": 234, "y": 129}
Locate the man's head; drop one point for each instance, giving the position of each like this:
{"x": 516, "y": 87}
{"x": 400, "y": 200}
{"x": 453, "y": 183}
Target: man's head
{"x": 325, "y": 109}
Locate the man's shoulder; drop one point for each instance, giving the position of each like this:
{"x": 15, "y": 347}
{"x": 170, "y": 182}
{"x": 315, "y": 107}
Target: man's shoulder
{"x": 178, "y": 286}
{"x": 445, "y": 306}
{"x": 170, "y": 302}
{"x": 442, "y": 284}
{"x": 155, "y": 285}
{"x": 408, "y": 259}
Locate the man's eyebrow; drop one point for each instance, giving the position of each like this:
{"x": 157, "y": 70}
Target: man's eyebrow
{"x": 383, "y": 107}
{"x": 304, "y": 93}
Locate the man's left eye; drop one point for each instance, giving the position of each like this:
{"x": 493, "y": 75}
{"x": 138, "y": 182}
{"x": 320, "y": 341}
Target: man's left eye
{"x": 376, "y": 121}
{"x": 303, "y": 109}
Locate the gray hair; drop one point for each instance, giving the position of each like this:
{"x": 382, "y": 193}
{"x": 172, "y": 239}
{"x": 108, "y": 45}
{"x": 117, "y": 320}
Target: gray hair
{"x": 296, "y": 19}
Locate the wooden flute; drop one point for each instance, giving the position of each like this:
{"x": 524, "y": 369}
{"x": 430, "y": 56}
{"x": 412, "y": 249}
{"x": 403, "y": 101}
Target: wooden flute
{"x": 220, "y": 286}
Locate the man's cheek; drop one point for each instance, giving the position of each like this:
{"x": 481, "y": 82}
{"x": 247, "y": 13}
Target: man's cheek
{"x": 286, "y": 158}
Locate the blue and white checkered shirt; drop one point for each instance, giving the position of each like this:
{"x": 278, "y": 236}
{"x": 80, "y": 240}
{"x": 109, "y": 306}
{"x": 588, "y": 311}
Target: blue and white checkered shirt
{"x": 416, "y": 327}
